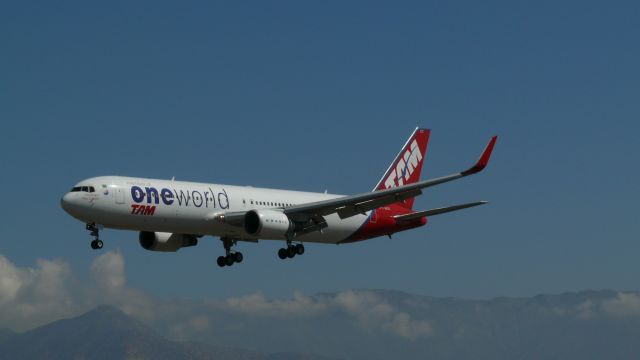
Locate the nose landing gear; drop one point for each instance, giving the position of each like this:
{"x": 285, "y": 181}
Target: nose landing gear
{"x": 94, "y": 231}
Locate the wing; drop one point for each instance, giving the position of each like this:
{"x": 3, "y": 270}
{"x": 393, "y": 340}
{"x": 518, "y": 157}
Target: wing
{"x": 437, "y": 211}
{"x": 359, "y": 204}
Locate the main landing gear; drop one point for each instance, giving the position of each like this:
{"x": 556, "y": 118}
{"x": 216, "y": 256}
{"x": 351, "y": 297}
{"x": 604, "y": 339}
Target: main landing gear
{"x": 291, "y": 250}
{"x": 95, "y": 232}
{"x": 232, "y": 257}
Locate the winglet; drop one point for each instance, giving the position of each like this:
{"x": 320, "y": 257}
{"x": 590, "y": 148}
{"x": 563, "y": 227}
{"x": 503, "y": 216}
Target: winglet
{"x": 484, "y": 158}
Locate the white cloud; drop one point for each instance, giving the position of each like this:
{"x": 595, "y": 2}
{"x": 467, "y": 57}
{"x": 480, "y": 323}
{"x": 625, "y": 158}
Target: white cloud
{"x": 624, "y": 304}
{"x": 33, "y": 296}
{"x": 10, "y": 281}
{"x": 185, "y": 330}
{"x": 258, "y": 305}
{"x": 586, "y": 310}
{"x": 108, "y": 271}
{"x": 367, "y": 309}
{"x": 374, "y": 313}
{"x": 620, "y": 305}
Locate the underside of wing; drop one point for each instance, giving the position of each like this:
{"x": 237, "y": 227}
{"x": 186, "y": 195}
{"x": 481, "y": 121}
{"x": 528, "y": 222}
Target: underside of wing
{"x": 437, "y": 211}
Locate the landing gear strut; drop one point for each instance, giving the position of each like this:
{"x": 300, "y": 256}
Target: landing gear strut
{"x": 291, "y": 250}
{"x": 95, "y": 232}
{"x": 231, "y": 257}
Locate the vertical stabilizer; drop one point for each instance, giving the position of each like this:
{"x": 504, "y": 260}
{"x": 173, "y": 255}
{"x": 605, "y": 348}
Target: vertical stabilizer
{"x": 407, "y": 166}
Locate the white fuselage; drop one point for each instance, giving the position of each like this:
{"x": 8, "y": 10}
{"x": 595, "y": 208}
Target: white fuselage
{"x": 182, "y": 207}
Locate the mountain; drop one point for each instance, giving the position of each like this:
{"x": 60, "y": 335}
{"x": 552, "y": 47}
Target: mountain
{"x": 107, "y": 333}
{"x": 352, "y": 325}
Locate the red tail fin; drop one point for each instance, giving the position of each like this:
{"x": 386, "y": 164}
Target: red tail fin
{"x": 407, "y": 166}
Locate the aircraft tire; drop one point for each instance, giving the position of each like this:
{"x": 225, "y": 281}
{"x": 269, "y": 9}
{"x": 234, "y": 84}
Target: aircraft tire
{"x": 299, "y": 249}
{"x": 222, "y": 262}
{"x": 229, "y": 260}
{"x": 291, "y": 252}
{"x": 237, "y": 257}
{"x": 282, "y": 253}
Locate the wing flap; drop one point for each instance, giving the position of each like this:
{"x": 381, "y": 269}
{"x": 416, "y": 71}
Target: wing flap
{"x": 364, "y": 206}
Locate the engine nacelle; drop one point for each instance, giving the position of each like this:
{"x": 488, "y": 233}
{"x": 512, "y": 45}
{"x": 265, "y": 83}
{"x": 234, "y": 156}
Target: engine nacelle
{"x": 267, "y": 224}
{"x": 165, "y": 242}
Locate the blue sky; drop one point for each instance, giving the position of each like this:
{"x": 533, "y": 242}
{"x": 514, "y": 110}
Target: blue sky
{"x": 315, "y": 96}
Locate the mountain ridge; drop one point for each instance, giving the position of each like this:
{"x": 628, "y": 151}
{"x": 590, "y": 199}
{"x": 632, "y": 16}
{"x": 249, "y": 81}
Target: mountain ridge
{"x": 353, "y": 324}
{"x": 106, "y": 332}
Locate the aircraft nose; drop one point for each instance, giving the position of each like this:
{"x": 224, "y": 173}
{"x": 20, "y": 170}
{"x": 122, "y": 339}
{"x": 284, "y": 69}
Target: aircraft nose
{"x": 67, "y": 203}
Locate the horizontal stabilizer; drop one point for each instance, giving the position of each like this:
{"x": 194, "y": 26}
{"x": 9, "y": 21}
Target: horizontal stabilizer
{"x": 437, "y": 211}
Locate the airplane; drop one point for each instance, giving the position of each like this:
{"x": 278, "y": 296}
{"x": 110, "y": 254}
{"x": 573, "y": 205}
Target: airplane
{"x": 170, "y": 215}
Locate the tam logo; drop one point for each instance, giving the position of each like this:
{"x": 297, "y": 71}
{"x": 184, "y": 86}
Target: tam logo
{"x": 406, "y": 165}
{"x": 143, "y": 210}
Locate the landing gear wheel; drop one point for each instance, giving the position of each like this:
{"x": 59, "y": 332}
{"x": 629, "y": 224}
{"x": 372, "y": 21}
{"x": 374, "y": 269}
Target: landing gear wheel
{"x": 222, "y": 262}
{"x": 282, "y": 253}
{"x": 96, "y": 244}
{"x": 231, "y": 256}
{"x": 291, "y": 252}
{"x": 299, "y": 249}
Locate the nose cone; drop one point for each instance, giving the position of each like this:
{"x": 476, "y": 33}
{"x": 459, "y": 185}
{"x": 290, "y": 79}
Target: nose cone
{"x": 65, "y": 202}
{"x": 69, "y": 204}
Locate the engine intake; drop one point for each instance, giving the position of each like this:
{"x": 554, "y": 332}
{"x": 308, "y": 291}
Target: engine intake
{"x": 267, "y": 224}
{"x": 165, "y": 242}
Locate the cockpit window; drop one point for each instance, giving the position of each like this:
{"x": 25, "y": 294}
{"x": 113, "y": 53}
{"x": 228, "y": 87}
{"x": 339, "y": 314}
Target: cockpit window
{"x": 83, "y": 189}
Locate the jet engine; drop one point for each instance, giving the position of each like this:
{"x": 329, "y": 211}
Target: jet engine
{"x": 267, "y": 224}
{"x": 165, "y": 242}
